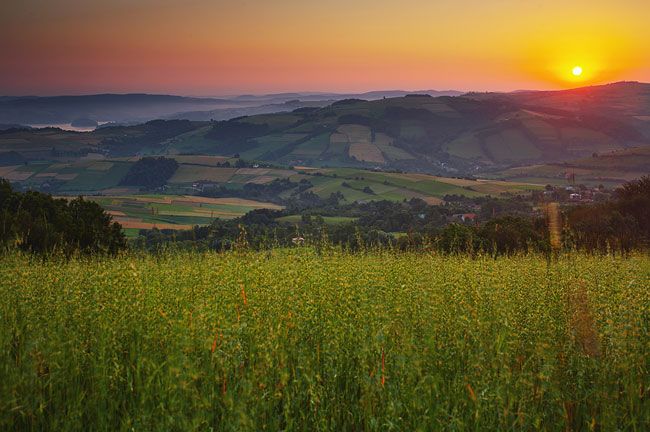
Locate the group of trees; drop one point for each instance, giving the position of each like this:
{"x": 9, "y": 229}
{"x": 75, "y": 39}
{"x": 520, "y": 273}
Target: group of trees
{"x": 269, "y": 192}
{"x": 150, "y": 172}
{"x": 621, "y": 223}
{"x": 36, "y": 222}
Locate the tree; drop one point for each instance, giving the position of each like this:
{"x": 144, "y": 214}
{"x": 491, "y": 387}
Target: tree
{"x": 509, "y": 234}
{"x": 36, "y": 222}
{"x": 457, "y": 238}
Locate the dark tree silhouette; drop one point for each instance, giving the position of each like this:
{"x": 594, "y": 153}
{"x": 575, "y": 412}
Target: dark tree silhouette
{"x": 36, "y": 222}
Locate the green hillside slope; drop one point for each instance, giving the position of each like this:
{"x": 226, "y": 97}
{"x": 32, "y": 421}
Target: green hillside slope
{"x": 441, "y": 135}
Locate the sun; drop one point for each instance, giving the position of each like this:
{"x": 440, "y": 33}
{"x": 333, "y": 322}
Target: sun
{"x": 577, "y": 71}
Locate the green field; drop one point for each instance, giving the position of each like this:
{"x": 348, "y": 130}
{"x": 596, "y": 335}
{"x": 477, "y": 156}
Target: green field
{"x": 292, "y": 340}
{"x": 99, "y": 180}
{"x": 173, "y": 211}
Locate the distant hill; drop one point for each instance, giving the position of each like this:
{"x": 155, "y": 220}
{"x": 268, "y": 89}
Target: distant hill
{"x": 463, "y": 134}
{"x": 472, "y": 134}
{"x": 229, "y": 113}
{"x": 11, "y": 126}
{"x": 130, "y": 108}
{"x": 626, "y": 101}
{"x": 105, "y": 107}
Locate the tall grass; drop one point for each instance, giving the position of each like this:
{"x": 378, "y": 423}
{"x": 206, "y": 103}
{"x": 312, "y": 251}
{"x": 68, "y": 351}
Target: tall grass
{"x": 294, "y": 340}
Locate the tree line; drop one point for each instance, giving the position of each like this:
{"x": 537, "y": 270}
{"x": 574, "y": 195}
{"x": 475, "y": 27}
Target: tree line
{"x": 39, "y": 223}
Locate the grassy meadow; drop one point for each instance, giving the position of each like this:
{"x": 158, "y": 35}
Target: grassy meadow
{"x": 296, "y": 340}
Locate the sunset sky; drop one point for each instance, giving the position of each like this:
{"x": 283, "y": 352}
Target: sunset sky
{"x": 214, "y": 47}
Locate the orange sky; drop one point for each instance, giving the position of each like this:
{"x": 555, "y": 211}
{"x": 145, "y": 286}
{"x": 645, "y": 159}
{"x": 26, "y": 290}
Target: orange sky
{"x": 214, "y": 47}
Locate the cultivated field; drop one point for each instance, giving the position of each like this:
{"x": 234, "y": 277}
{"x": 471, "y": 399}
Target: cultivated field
{"x": 99, "y": 180}
{"x": 608, "y": 168}
{"x": 293, "y": 340}
{"x": 174, "y": 211}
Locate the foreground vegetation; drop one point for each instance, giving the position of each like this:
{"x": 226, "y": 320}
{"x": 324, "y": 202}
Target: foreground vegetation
{"x": 297, "y": 340}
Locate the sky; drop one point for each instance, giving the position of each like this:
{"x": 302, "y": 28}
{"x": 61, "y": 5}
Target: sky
{"x": 215, "y": 47}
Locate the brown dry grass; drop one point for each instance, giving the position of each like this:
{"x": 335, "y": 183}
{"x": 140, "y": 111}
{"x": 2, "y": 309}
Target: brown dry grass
{"x": 581, "y": 320}
{"x": 366, "y": 152}
{"x": 15, "y": 175}
{"x": 115, "y": 213}
{"x": 554, "y": 220}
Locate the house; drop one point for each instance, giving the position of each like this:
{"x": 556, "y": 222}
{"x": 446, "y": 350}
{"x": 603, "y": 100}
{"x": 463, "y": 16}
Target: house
{"x": 469, "y": 217}
{"x": 575, "y": 197}
{"x": 465, "y": 217}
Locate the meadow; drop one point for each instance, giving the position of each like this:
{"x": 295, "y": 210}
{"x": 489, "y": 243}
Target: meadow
{"x": 160, "y": 211}
{"x": 295, "y": 339}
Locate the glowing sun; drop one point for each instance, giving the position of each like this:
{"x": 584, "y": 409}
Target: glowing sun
{"x": 577, "y": 71}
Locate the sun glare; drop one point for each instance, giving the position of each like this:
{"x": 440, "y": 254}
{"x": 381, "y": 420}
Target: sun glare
{"x": 577, "y": 71}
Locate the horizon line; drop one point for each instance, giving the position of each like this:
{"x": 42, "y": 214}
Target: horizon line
{"x": 308, "y": 92}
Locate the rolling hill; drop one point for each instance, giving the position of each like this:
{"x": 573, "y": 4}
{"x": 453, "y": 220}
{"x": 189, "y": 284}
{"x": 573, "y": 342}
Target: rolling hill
{"x": 466, "y": 134}
{"x": 528, "y": 137}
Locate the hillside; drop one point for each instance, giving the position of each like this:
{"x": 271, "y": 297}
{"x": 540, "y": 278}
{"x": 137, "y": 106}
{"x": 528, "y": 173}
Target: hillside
{"x": 470, "y": 134}
{"x": 626, "y": 102}
{"x": 520, "y": 137}
{"x": 609, "y": 168}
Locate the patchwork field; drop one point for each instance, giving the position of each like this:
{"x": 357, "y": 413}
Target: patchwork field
{"x": 359, "y": 141}
{"x": 191, "y": 173}
{"x": 400, "y": 186}
{"x": 174, "y": 211}
{"x": 99, "y": 180}
{"x": 610, "y": 169}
